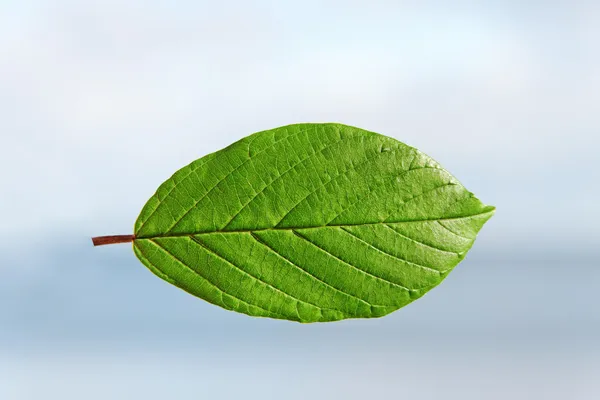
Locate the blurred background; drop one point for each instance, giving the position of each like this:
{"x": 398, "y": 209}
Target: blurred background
{"x": 101, "y": 101}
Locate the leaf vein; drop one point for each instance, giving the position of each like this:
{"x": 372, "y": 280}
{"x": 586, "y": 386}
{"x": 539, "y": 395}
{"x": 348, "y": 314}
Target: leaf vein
{"x": 292, "y": 168}
{"x": 388, "y": 254}
{"x": 420, "y": 242}
{"x": 195, "y": 240}
{"x": 167, "y": 252}
{"x": 423, "y": 194}
{"x": 452, "y": 232}
{"x": 225, "y": 177}
{"x": 323, "y": 184}
{"x": 362, "y": 198}
{"x": 259, "y": 240}
{"x": 347, "y": 263}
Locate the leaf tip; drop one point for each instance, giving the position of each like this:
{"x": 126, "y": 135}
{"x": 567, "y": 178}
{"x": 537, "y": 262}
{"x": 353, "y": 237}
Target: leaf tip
{"x": 489, "y": 209}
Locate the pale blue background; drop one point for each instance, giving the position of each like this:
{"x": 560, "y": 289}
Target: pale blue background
{"x": 101, "y": 101}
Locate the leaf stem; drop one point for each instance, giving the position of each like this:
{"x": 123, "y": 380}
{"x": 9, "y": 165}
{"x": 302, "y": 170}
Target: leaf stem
{"x": 102, "y": 240}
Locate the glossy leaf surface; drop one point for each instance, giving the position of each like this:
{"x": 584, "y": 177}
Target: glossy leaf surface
{"x": 309, "y": 222}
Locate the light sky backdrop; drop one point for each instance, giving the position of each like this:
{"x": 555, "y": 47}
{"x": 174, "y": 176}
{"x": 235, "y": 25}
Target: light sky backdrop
{"x": 101, "y": 101}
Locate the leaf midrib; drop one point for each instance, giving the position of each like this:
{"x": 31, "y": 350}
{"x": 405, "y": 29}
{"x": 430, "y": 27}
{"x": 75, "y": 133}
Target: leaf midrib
{"x": 183, "y": 234}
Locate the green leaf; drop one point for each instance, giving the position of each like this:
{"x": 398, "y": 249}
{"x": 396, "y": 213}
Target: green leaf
{"x": 311, "y": 223}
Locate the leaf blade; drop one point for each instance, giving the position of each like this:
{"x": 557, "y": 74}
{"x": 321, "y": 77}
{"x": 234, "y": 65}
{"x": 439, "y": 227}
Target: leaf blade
{"x": 309, "y": 222}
